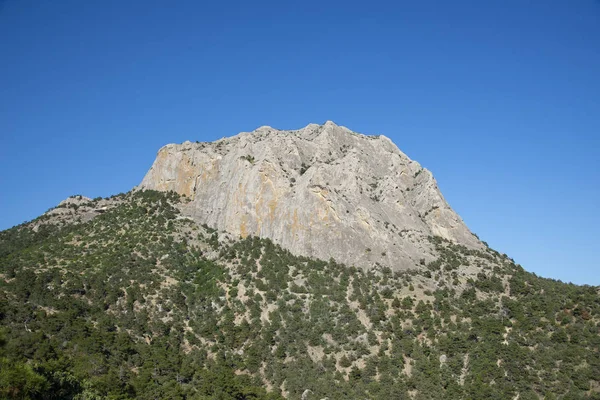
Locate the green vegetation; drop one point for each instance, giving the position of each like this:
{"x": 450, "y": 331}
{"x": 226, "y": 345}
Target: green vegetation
{"x": 303, "y": 168}
{"x": 249, "y": 158}
{"x": 141, "y": 302}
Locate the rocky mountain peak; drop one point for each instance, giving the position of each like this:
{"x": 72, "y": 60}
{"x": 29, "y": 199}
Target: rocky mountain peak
{"x": 321, "y": 191}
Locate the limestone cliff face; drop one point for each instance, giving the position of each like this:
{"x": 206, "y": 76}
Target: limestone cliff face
{"x": 321, "y": 191}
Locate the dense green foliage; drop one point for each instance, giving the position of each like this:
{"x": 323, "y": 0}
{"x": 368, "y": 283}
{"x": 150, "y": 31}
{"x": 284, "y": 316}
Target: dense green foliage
{"x": 140, "y": 302}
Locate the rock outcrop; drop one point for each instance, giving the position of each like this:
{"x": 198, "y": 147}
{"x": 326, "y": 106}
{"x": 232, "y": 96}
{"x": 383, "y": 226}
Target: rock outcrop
{"x": 320, "y": 191}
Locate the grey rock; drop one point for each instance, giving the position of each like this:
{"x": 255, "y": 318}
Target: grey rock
{"x": 75, "y": 210}
{"x": 321, "y": 191}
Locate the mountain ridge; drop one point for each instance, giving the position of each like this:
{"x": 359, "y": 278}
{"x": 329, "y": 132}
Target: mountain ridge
{"x": 154, "y": 294}
{"x": 322, "y": 191}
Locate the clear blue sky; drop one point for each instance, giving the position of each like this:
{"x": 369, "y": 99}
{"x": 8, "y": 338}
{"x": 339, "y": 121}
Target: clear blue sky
{"x": 500, "y": 99}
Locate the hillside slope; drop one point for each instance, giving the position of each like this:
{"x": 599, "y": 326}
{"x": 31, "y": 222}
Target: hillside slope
{"x": 129, "y": 298}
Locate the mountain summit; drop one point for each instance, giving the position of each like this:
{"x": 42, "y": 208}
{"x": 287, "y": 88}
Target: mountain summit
{"x": 321, "y": 191}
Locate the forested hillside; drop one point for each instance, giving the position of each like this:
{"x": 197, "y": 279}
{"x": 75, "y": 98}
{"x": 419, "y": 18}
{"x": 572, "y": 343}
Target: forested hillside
{"x": 126, "y": 298}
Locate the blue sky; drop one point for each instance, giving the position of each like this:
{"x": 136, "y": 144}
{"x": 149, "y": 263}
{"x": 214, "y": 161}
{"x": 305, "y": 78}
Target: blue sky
{"x": 500, "y": 99}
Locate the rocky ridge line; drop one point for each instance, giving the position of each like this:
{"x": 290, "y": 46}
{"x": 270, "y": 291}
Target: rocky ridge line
{"x": 321, "y": 191}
